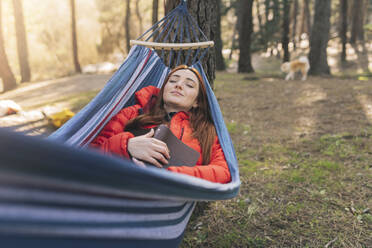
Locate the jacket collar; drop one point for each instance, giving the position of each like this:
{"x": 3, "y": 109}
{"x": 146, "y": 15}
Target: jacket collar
{"x": 144, "y": 95}
{"x": 179, "y": 115}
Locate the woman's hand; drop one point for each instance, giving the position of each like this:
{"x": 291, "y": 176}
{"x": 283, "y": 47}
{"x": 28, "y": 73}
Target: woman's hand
{"x": 138, "y": 162}
{"x": 149, "y": 149}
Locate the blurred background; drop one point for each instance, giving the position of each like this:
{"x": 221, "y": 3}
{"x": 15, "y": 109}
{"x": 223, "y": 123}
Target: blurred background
{"x": 103, "y": 28}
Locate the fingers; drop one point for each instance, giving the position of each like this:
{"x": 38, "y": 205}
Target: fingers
{"x": 138, "y": 162}
{"x": 160, "y": 157}
{"x": 155, "y": 162}
{"x": 161, "y": 147}
{"x": 150, "y": 134}
{"x": 150, "y": 160}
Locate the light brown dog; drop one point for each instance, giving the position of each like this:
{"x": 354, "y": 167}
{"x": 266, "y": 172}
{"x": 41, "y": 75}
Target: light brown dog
{"x": 301, "y": 64}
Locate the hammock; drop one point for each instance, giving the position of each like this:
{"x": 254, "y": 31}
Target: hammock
{"x": 55, "y": 193}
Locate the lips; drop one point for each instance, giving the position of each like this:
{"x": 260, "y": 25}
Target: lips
{"x": 177, "y": 93}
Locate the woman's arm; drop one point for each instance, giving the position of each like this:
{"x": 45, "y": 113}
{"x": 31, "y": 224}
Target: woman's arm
{"x": 112, "y": 139}
{"x": 216, "y": 171}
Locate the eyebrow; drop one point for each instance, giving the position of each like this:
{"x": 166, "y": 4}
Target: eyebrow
{"x": 190, "y": 79}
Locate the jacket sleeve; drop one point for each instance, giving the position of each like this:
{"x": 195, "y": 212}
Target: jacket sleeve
{"x": 112, "y": 139}
{"x": 216, "y": 171}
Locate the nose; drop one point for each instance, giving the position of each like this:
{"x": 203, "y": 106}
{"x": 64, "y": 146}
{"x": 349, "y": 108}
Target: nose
{"x": 179, "y": 84}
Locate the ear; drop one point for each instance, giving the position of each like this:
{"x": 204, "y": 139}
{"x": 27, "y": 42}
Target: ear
{"x": 195, "y": 105}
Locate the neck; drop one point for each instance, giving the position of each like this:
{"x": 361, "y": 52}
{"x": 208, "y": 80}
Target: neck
{"x": 170, "y": 109}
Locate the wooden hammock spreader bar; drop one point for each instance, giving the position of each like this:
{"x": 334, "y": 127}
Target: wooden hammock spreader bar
{"x": 172, "y": 46}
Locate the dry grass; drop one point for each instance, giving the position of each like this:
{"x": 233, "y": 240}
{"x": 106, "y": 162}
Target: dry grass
{"x": 304, "y": 151}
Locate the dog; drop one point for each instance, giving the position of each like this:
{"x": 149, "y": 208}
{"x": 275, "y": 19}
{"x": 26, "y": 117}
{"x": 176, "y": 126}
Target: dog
{"x": 302, "y": 64}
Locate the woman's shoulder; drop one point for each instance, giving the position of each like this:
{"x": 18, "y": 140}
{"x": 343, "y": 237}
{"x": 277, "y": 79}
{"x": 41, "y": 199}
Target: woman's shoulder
{"x": 144, "y": 95}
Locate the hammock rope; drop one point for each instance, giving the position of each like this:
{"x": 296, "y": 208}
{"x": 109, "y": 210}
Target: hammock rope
{"x": 171, "y": 31}
{"x": 60, "y": 194}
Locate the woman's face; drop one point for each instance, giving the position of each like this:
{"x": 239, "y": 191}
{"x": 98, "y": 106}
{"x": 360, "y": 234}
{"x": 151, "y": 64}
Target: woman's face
{"x": 181, "y": 91}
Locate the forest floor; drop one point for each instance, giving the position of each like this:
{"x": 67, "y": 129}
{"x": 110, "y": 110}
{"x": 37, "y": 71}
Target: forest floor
{"x": 49, "y": 96}
{"x": 305, "y": 156}
{"x": 304, "y": 150}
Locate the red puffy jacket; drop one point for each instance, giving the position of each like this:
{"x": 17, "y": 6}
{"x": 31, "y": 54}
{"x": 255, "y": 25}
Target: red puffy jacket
{"x": 112, "y": 139}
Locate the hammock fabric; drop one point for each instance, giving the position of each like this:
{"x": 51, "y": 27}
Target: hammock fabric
{"x": 55, "y": 193}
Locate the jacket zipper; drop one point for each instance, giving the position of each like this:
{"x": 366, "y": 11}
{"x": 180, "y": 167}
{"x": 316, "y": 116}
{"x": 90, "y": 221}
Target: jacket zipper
{"x": 183, "y": 129}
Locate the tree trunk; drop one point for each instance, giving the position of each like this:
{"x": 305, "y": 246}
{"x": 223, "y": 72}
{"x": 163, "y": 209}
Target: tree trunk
{"x": 267, "y": 8}
{"x": 343, "y": 30}
{"x": 306, "y": 18}
{"x": 138, "y": 13}
{"x": 127, "y": 25}
{"x": 261, "y": 27}
{"x": 155, "y": 8}
{"x": 6, "y": 74}
{"x": 205, "y": 14}
{"x": 357, "y": 31}
{"x": 220, "y": 62}
{"x": 21, "y": 41}
{"x": 357, "y": 34}
{"x": 233, "y": 39}
{"x": 294, "y": 26}
{"x": 319, "y": 38}
{"x": 74, "y": 38}
{"x": 285, "y": 36}
{"x": 245, "y": 33}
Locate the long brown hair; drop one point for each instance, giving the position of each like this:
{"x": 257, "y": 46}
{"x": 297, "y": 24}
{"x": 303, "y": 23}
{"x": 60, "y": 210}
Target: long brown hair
{"x": 200, "y": 117}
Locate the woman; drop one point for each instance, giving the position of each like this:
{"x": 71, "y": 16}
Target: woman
{"x": 182, "y": 105}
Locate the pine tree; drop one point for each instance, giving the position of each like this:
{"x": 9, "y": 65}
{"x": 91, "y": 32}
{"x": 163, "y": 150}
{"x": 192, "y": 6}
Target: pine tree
{"x": 319, "y": 38}
{"x": 6, "y": 73}
{"x": 21, "y": 41}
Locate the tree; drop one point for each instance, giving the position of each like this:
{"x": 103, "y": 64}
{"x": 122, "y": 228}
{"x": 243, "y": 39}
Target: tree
{"x": 234, "y": 39}
{"x": 245, "y": 33}
{"x": 261, "y": 29}
{"x": 343, "y": 29}
{"x": 357, "y": 31}
{"x": 357, "y": 34}
{"x": 306, "y": 19}
{"x": 127, "y": 25}
{"x": 319, "y": 38}
{"x": 21, "y": 41}
{"x": 285, "y": 34}
{"x": 155, "y": 8}
{"x": 74, "y": 38}
{"x": 138, "y": 13}
{"x": 205, "y": 14}
{"x": 294, "y": 25}
{"x": 112, "y": 21}
{"x": 6, "y": 74}
{"x": 273, "y": 21}
{"x": 220, "y": 62}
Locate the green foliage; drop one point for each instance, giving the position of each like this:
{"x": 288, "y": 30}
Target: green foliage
{"x": 112, "y": 28}
{"x": 270, "y": 32}
{"x": 368, "y": 27}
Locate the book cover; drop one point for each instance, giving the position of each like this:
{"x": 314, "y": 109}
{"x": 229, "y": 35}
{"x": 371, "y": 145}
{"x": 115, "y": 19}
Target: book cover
{"x": 180, "y": 153}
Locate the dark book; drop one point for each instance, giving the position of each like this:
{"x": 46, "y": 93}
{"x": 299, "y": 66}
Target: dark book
{"x": 180, "y": 153}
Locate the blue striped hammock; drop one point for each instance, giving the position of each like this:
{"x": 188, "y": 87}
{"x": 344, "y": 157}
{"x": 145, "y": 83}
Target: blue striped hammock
{"x": 55, "y": 193}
